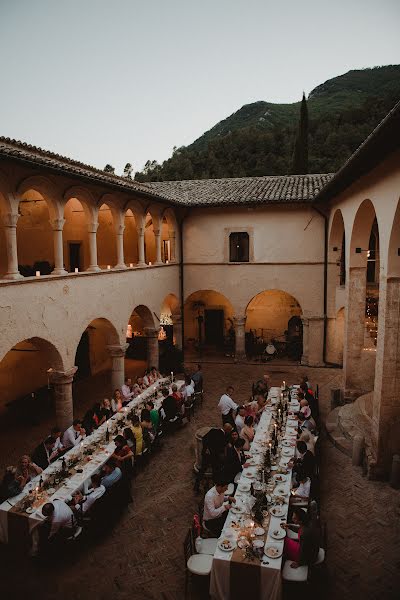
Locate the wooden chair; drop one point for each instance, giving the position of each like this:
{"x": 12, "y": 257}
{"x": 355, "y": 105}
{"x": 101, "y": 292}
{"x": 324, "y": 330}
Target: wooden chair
{"x": 195, "y": 564}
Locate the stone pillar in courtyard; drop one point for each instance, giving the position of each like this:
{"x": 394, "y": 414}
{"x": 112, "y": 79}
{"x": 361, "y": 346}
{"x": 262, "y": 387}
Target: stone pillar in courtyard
{"x": 386, "y": 402}
{"x": 57, "y": 226}
{"x": 172, "y": 243}
{"x": 120, "y": 247}
{"x": 10, "y": 231}
{"x": 152, "y": 346}
{"x": 92, "y": 230}
{"x": 304, "y": 356}
{"x": 157, "y": 238}
{"x": 354, "y": 330}
{"x": 315, "y": 355}
{"x": 61, "y": 382}
{"x": 240, "y": 347}
{"x": 141, "y": 256}
{"x": 177, "y": 320}
{"x": 117, "y": 353}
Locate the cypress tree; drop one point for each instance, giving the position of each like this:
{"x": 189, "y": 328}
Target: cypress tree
{"x": 300, "y": 155}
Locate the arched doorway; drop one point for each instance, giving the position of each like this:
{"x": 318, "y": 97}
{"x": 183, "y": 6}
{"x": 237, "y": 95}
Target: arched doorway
{"x": 142, "y": 337}
{"x": 209, "y": 323}
{"x": 149, "y": 241}
{"x": 106, "y": 238}
{"x": 26, "y": 400}
{"x": 274, "y": 317}
{"x": 76, "y": 236}
{"x": 130, "y": 239}
{"x": 35, "y": 236}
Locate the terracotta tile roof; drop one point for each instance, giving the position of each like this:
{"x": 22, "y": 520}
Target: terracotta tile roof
{"x": 32, "y": 154}
{"x": 244, "y": 190}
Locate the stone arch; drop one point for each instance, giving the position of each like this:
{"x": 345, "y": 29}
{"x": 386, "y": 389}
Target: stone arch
{"x": 92, "y": 353}
{"x": 169, "y": 236}
{"x": 393, "y": 259}
{"x": 209, "y": 319}
{"x": 47, "y": 189}
{"x": 109, "y": 222}
{"x": 360, "y": 234}
{"x": 131, "y": 237}
{"x": 337, "y": 250}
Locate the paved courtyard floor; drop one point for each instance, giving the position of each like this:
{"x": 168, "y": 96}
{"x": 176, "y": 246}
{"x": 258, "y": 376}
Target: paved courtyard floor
{"x": 143, "y": 556}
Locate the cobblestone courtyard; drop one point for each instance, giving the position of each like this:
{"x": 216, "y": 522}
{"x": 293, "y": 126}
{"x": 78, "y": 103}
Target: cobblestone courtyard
{"x": 143, "y": 558}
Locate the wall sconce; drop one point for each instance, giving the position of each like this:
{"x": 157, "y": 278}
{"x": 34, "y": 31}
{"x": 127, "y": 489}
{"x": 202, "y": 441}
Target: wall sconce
{"x": 37, "y": 273}
{"x": 368, "y": 252}
{"x": 335, "y": 249}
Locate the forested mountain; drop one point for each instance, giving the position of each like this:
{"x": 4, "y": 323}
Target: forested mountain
{"x": 259, "y": 138}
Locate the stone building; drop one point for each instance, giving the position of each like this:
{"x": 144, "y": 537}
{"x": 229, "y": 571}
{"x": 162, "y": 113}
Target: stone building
{"x": 88, "y": 259}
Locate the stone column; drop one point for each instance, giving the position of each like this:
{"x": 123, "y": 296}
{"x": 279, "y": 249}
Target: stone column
{"x": 157, "y": 237}
{"x": 177, "y": 319}
{"x": 57, "y": 225}
{"x": 61, "y": 381}
{"x": 172, "y": 241}
{"x": 354, "y": 330}
{"x": 240, "y": 349}
{"x": 152, "y": 346}
{"x": 117, "y": 353}
{"x": 304, "y": 356}
{"x": 92, "y": 229}
{"x": 386, "y": 402}
{"x": 10, "y": 230}
{"x": 141, "y": 256}
{"x": 120, "y": 248}
{"x": 315, "y": 341}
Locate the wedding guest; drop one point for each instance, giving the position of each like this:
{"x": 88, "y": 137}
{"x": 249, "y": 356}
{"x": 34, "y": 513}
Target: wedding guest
{"x": 74, "y": 434}
{"x": 27, "y": 469}
{"x": 154, "y": 414}
{"x": 117, "y": 402}
{"x": 239, "y": 420}
{"x": 126, "y": 390}
{"x": 60, "y": 516}
{"x": 89, "y": 422}
{"x": 305, "y": 408}
{"x": 130, "y": 439}
{"x": 169, "y": 405}
{"x": 11, "y": 485}
{"x": 197, "y": 379}
{"x": 215, "y": 508}
{"x": 304, "y": 550}
{"x": 58, "y": 447}
{"x": 147, "y": 378}
{"x": 302, "y": 491}
{"x": 111, "y": 474}
{"x": 99, "y": 416}
{"x": 138, "y": 433}
{"x": 248, "y": 432}
{"x": 178, "y": 397}
{"x": 306, "y": 423}
{"x": 96, "y": 491}
{"x": 106, "y": 409}
{"x": 234, "y": 458}
{"x": 187, "y": 390}
{"x": 227, "y": 406}
{"x": 123, "y": 455}
{"x": 305, "y": 462}
{"x": 312, "y": 401}
{"x": 155, "y": 374}
{"x": 307, "y": 437}
{"x": 42, "y": 453}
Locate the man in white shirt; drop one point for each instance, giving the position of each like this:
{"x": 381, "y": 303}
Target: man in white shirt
{"x": 226, "y": 405}
{"x": 216, "y": 507}
{"x": 74, "y": 434}
{"x": 60, "y": 516}
{"x": 126, "y": 390}
{"x": 239, "y": 421}
{"x": 96, "y": 492}
{"x": 302, "y": 492}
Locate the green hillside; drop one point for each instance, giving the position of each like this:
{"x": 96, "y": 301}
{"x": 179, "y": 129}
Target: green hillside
{"x": 258, "y": 139}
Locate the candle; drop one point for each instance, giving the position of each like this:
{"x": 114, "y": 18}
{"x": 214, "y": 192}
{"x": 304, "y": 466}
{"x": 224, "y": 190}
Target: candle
{"x": 167, "y": 262}
{"x": 172, "y": 375}
{"x": 76, "y": 270}
{"x": 149, "y": 263}
{"x": 37, "y": 273}
{"x": 108, "y": 267}
{"x": 131, "y": 265}
{"x": 284, "y": 385}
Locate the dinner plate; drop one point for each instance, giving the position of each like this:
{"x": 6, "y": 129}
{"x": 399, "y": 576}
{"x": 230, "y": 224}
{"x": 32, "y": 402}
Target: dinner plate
{"x": 30, "y": 510}
{"x": 226, "y": 545}
{"x": 286, "y": 443}
{"x": 258, "y": 543}
{"x": 280, "y": 478}
{"x": 278, "y": 534}
{"x": 244, "y": 486}
{"x": 249, "y": 474}
{"x": 274, "y": 468}
{"x": 51, "y": 491}
{"x": 273, "y": 550}
{"x": 277, "y": 511}
{"x": 259, "y": 531}
{"x": 280, "y": 491}
{"x": 237, "y": 509}
{"x": 287, "y": 452}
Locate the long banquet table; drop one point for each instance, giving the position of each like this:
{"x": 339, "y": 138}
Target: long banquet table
{"x": 230, "y": 579}
{"x": 18, "y": 527}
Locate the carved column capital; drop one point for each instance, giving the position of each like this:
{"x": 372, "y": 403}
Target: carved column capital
{"x": 61, "y": 377}
{"x": 57, "y": 224}
{"x": 117, "y": 351}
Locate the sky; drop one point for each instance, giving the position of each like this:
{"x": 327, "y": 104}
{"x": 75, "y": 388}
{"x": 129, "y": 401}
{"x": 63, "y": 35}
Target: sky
{"x": 117, "y": 81}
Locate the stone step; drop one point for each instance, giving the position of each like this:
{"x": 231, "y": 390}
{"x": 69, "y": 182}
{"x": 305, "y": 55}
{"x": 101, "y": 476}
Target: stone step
{"x": 335, "y": 434}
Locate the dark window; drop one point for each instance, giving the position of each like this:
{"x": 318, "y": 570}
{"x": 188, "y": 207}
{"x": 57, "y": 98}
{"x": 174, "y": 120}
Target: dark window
{"x": 239, "y": 247}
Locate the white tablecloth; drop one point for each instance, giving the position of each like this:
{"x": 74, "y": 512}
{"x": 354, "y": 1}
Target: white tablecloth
{"x": 79, "y": 481}
{"x": 270, "y": 580}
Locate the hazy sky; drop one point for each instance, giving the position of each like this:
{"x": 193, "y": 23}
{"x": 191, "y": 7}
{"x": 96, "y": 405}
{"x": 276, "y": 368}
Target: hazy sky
{"x": 126, "y": 80}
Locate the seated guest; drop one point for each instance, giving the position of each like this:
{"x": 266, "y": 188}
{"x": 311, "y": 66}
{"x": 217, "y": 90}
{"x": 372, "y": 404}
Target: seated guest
{"x": 302, "y": 491}
{"x": 147, "y": 378}
{"x": 155, "y": 374}
{"x": 305, "y": 381}
{"x": 89, "y": 422}
{"x": 100, "y": 415}
{"x": 117, "y": 402}
{"x": 154, "y": 414}
{"x": 247, "y": 432}
{"x": 138, "y": 433}
{"x": 123, "y": 455}
{"x": 169, "y": 405}
{"x": 187, "y": 390}
{"x": 145, "y": 414}
{"x": 27, "y": 469}
{"x": 305, "y": 462}
{"x": 305, "y": 408}
{"x": 215, "y": 511}
{"x": 306, "y": 423}
{"x": 111, "y": 474}
{"x": 261, "y": 403}
{"x": 178, "y": 397}
{"x": 106, "y": 409}
{"x": 126, "y": 390}
{"x": 261, "y": 387}
{"x": 130, "y": 439}
{"x": 141, "y": 384}
{"x": 11, "y": 485}
{"x": 304, "y": 550}
{"x": 227, "y": 406}
{"x": 42, "y": 454}
{"x": 197, "y": 379}
{"x": 312, "y": 401}
{"x": 60, "y": 516}
{"x": 74, "y": 434}
{"x": 147, "y": 432}
{"x": 234, "y": 458}
{"x": 239, "y": 420}
{"x": 307, "y": 437}
{"x": 96, "y": 491}
{"x": 58, "y": 447}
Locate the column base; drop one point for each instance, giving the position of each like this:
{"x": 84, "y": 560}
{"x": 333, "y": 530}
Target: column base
{"x": 158, "y": 263}
{"x": 12, "y": 276}
{"x": 59, "y": 272}
{"x": 240, "y": 358}
{"x": 93, "y": 269}
{"x": 119, "y": 267}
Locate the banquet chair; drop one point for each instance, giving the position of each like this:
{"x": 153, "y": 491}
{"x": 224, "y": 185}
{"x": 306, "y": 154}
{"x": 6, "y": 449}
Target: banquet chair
{"x": 189, "y": 407}
{"x": 198, "y": 398}
{"x": 203, "y": 545}
{"x": 195, "y": 564}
